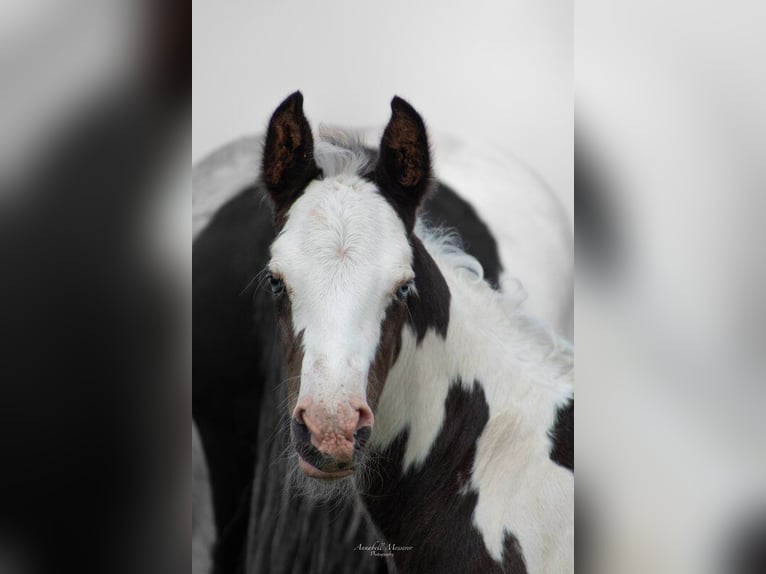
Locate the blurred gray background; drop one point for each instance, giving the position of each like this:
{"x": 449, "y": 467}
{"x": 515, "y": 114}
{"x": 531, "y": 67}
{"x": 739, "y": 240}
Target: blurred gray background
{"x": 497, "y": 71}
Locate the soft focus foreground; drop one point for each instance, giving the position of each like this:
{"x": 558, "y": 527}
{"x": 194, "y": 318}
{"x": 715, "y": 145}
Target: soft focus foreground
{"x": 94, "y": 279}
{"x": 671, "y": 274}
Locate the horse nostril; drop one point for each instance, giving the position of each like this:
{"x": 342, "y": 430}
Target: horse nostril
{"x": 361, "y": 436}
{"x": 365, "y": 417}
{"x": 301, "y": 431}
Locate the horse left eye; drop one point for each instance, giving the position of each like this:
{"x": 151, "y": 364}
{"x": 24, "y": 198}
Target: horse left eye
{"x": 276, "y": 285}
{"x": 405, "y": 290}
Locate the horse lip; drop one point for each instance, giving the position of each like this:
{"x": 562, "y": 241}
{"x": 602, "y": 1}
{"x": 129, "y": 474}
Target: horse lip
{"x": 314, "y": 472}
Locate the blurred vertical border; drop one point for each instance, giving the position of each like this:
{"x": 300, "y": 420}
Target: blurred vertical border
{"x": 95, "y": 258}
{"x": 671, "y": 272}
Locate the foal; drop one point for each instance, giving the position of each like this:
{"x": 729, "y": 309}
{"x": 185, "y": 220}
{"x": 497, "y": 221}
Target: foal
{"x": 411, "y": 382}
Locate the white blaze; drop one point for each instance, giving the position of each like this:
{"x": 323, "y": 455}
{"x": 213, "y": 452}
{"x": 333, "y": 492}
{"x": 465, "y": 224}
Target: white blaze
{"x": 342, "y": 253}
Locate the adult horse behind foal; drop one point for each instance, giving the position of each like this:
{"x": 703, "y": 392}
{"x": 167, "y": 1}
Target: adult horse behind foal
{"x": 411, "y": 383}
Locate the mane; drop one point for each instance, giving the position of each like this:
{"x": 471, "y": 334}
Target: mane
{"x": 447, "y": 245}
{"x": 341, "y": 152}
{"x": 550, "y": 355}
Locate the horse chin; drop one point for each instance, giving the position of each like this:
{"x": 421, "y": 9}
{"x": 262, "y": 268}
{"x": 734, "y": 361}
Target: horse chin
{"x": 311, "y": 471}
{"x": 330, "y": 489}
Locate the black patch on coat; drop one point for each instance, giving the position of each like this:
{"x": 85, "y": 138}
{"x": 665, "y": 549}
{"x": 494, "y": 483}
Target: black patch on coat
{"x": 429, "y": 309}
{"x": 389, "y": 346}
{"x": 429, "y": 508}
{"x": 513, "y": 558}
{"x": 562, "y": 434}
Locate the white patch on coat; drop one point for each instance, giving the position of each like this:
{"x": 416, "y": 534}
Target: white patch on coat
{"x": 342, "y": 254}
{"x": 526, "y": 373}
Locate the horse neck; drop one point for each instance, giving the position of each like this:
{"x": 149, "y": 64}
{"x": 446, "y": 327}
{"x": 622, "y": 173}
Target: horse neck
{"x": 466, "y": 411}
{"x": 490, "y": 347}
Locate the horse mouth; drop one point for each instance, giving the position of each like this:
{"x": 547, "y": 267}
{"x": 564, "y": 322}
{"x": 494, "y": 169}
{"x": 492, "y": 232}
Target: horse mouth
{"x": 312, "y": 471}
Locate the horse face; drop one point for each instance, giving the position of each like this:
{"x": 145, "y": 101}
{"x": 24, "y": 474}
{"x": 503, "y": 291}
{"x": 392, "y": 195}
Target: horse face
{"x": 341, "y": 273}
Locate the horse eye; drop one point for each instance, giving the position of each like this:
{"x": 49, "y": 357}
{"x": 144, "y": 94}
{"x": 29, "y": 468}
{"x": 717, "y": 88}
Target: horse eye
{"x": 405, "y": 290}
{"x": 276, "y": 285}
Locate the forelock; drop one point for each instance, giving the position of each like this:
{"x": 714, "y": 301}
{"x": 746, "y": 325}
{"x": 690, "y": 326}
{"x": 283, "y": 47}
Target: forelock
{"x": 342, "y": 152}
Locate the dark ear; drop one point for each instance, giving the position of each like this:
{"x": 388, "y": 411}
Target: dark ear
{"x": 403, "y": 172}
{"x": 288, "y": 156}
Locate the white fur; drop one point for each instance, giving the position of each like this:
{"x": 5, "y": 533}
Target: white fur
{"x": 340, "y": 152}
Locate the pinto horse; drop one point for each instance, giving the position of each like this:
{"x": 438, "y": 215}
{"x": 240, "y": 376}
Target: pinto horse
{"x": 412, "y": 384}
{"x": 419, "y": 398}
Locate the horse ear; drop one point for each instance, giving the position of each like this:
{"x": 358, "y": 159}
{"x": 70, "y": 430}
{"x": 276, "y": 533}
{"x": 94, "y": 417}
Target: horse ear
{"x": 404, "y": 166}
{"x": 288, "y": 156}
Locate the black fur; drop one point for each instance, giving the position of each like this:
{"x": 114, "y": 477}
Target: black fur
{"x": 231, "y": 356}
{"x": 403, "y": 171}
{"x": 429, "y": 309}
{"x": 288, "y": 155}
{"x": 562, "y": 434}
{"x": 409, "y": 508}
{"x": 513, "y": 558}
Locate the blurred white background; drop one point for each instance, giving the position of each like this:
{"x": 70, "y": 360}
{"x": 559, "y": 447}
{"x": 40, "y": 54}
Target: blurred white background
{"x": 497, "y": 71}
